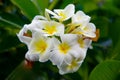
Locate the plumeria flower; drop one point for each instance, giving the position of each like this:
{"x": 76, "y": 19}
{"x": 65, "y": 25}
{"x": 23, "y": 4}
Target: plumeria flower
{"x": 47, "y": 28}
{"x": 77, "y": 59}
{"x": 88, "y": 30}
{"x": 80, "y": 19}
{"x": 66, "y": 48}
{"x": 39, "y": 48}
{"x": 84, "y": 42}
{"x": 50, "y": 28}
{"x": 63, "y": 14}
{"x": 70, "y": 68}
{"x": 64, "y": 44}
{"x": 26, "y": 32}
{"x": 25, "y": 35}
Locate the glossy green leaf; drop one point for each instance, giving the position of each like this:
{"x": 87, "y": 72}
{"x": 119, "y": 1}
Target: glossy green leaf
{"x": 102, "y": 24}
{"x": 109, "y": 5}
{"x": 27, "y": 7}
{"x": 114, "y": 29}
{"x": 108, "y": 70}
{"x": 11, "y": 21}
{"x": 116, "y": 51}
{"x": 87, "y": 5}
{"x": 66, "y": 2}
{"x": 41, "y": 5}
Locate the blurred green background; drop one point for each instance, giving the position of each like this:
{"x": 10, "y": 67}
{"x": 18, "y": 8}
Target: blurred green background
{"x": 101, "y": 63}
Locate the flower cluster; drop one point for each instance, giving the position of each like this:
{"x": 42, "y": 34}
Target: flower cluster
{"x": 62, "y": 37}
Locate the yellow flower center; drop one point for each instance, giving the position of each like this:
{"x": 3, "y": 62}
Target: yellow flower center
{"x": 72, "y": 65}
{"x": 50, "y": 29}
{"x": 40, "y": 45}
{"x": 63, "y": 16}
{"x": 77, "y": 31}
{"x": 86, "y": 29}
{"x": 81, "y": 42}
{"x": 64, "y": 47}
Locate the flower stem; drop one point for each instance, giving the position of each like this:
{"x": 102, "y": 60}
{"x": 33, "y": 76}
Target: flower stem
{"x": 53, "y": 4}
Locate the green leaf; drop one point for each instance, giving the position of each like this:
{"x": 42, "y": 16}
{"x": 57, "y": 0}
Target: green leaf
{"x": 66, "y": 2}
{"x": 53, "y": 4}
{"x": 9, "y": 39}
{"x": 110, "y": 6}
{"x": 31, "y": 71}
{"x": 102, "y": 24}
{"x": 116, "y": 51}
{"x": 27, "y": 7}
{"x": 11, "y": 21}
{"x": 108, "y": 70}
{"x": 87, "y": 5}
{"x": 40, "y": 5}
{"x": 22, "y": 73}
{"x": 114, "y": 30}
{"x": 7, "y": 23}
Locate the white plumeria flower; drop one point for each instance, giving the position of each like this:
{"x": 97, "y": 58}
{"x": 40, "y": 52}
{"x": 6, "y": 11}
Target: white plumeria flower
{"x": 63, "y": 14}
{"x": 80, "y": 19}
{"x": 50, "y": 28}
{"x": 47, "y": 28}
{"x": 87, "y": 31}
{"x": 65, "y": 45}
{"x": 24, "y": 35}
{"x": 41, "y": 47}
{"x": 70, "y": 68}
{"x": 77, "y": 60}
{"x": 65, "y": 49}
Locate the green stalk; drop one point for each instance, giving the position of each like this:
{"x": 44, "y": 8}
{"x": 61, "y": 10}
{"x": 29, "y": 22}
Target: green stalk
{"x": 11, "y": 23}
{"x": 53, "y": 4}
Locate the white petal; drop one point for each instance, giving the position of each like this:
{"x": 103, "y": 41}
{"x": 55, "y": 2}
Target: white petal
{"x": 90, "y": 34}
{"x": 69, "y": 10}
{"x": 76, "y": 68}
{"x": 65, "y": 14}
{"x": 45, "y": 56}
{"x": 70, "y": 38}
{"x": 22, "y": 38}
{"x": 92, "y": 27}
{"x": 68, "y": 59}
{"x": 80, "y": 19}
{"x": 49, "y": 11}
{"x": 75, "y": 51}
{"x": 32, "y": 56}
{"x": 36, "y": 25}
{"x": 63, "y": 68}
{"x": 87, "y": 42}
{"x": 56, "y": 58}
{"x": 67, "y": 68}
{"x": 38, "y": 17}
